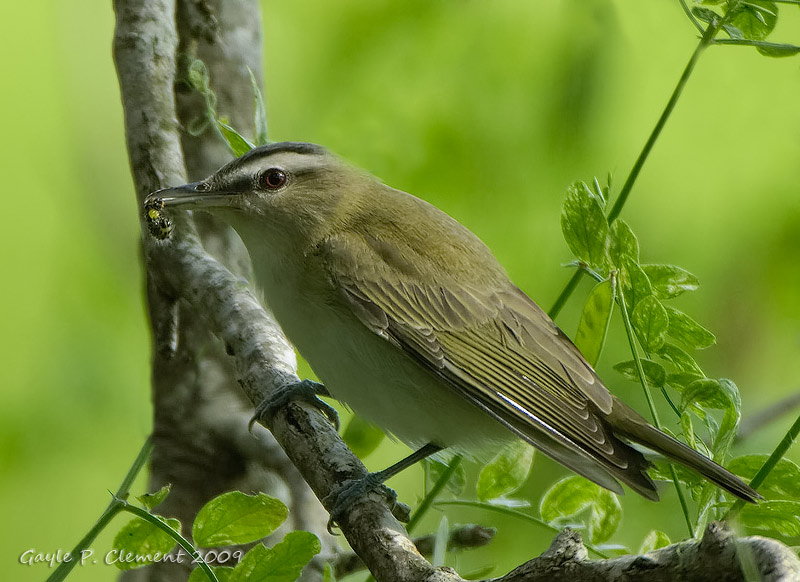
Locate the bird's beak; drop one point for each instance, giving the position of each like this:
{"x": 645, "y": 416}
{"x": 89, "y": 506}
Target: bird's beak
{"x": 194, "y": 195}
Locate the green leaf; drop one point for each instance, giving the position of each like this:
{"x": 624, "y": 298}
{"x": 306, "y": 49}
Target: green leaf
{"x": 327, "y": 573}
{"x": 670, "y": 281}
{"x": 622, "y": 243}
{"x": 680, "y": 359}
{"x": 719, "y": 394}
{"x": 600, "y": 191}
{"x": 507, "y": 472}
{"x": 733, "y": 32}
{"x": 151, "y": 500}
{"x": 782, "y": 482}
{"x": 362, "y": 437}
{"x": 595, "y": 320}
{"x": 755, "y": 19}
{"x": 140, "y": 543}
{"x": 584, "y": 225}
{"x": 687, "y": 331}
{"x": 776, "y": 50}
{"x": 709, "y": 393}
{"x": 681, "y": 380}
{"x": 782, "y": 517}
{"x": 237, "y": 518}
{"x": 281, "y": 563}
{"x": 653, "y": 372}
{"x": 730, "y": 421}
{"x": 635, "y": 282}
{"x": 238, "y": 144}
{"x": 260, "y": 112}
{"x": 575, "y": 495}
{"x": 654, "y": 540}
{"x": 435, "y": 469}
{"x": 650, "y": 321}
{"x": 705, "y": 14}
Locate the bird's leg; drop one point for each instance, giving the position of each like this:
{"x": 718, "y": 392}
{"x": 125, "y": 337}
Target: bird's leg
{"x": 353, "y": 489}
{"x": 305, "y": 391}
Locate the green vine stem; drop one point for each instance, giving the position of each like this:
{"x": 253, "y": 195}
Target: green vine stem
{"x": 565, "y": 294}
{"x": 690, "y": 16}
{"x": 428, "y": 500}
{"x": 116, "y": 505}
{"x": 643, "y": 380}
{"x": 182, "y": 541}
{"x": 619, "y": 204}
{"x": 705, "y": 41}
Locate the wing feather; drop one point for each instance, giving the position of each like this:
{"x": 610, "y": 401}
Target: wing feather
{"x": 495, "y": 347}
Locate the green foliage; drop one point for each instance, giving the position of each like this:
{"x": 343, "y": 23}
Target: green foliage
{"x": 746, "y": 22}
{"x": 198, "y": 78}
{"x": 281, "y": 563}
{"x": 573, "y": 496}
{"x": 152, "y": 500}
{"x": 776, "y": 518}
{"x": 595, "y": 320}
{"x": 622, "y": 245}
{"x": 669, "y": 281}
{"x": 610, "y": 253}
{"x": 687, "y": 331}
{"x": 654, "y": 372}
{"x": 434, "y": 470}
{"x": 260, "y": 112}
{"x": 362, "y": 437}
{"x": 650, "y": 321}
{"x": 507, "y": 472}
{"x": 783, "y": 482}
{"x": 237, "y": 518}
{"x": 584, "y": 225}
{"x": 140, "y": 543}
{"x": 229, "y": 519}
{"x": 654, "y": 540}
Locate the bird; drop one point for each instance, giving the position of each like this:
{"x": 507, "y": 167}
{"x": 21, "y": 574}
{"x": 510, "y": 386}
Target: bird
{"x": 408, "y": 318}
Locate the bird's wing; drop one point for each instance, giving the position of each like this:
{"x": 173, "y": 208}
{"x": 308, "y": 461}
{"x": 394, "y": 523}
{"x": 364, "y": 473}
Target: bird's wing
{"x": 498, "y": 349}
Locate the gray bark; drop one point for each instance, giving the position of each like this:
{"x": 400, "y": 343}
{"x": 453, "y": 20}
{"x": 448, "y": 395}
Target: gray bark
{"x": 202, "y": 445}
{"x": 200, "y": 312}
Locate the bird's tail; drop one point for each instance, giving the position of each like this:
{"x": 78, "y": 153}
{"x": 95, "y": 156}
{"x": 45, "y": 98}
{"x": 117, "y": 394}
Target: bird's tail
{"x": 630, "y": 425}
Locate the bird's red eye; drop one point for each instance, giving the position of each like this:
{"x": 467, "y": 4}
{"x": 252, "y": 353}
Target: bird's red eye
{"x": 273, "y": 179}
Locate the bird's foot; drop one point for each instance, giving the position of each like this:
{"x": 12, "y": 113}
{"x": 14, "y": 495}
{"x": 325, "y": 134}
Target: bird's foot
{"x": 352, "y": 490}
{"x": 304, "y": 391}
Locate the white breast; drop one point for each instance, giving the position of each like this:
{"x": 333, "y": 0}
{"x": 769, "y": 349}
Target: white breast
{"x": 370, "y": 374}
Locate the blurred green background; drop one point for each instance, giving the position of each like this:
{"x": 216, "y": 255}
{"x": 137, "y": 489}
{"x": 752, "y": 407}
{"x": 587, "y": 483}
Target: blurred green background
{"x": 486, "y": 109}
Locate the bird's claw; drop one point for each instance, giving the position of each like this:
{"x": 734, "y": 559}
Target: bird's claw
{"x": 305, "y": 391}
{"x": 352, "y": 490}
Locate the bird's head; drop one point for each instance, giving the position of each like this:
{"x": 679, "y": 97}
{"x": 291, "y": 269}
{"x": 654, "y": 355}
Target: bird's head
{"x": 291, "y": 191}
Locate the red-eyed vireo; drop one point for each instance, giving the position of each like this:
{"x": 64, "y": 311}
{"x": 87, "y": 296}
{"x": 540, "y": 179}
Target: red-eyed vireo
{"x": 408, "y": 318}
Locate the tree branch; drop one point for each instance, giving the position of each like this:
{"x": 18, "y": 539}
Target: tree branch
{"x": 714, "y": 558}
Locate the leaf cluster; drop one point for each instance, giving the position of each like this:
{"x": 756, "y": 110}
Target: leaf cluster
{"x": 198, "y": 78}
{"x": 746, "y": 22}
{"x": 231, "y": 519}
{"x": 669, "y": 339}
